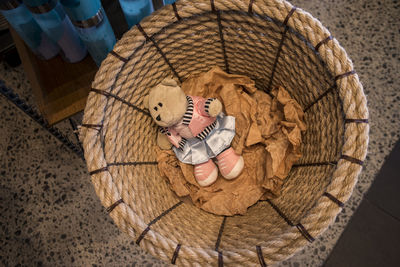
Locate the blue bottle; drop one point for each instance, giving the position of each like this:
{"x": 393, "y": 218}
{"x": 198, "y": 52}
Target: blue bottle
{"x": 24, "y": 24}
{"x": 168, "y": 2}
{"x": 51, "y": 17}
{"x": 92, "y": 25}
{"x": 136, "y": 10}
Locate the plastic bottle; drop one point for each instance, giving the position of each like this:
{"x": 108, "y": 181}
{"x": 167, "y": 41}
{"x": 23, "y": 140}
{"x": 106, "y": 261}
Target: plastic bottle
{"x": 92, "y": 25}
{"x": 136, "y": 10}
{"x": 24, "y": 24}
{"x": 51, "y": 17}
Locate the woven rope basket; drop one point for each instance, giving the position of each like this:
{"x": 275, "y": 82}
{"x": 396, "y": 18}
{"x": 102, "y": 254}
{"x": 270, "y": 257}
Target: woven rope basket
{"x": 276, "y": 45}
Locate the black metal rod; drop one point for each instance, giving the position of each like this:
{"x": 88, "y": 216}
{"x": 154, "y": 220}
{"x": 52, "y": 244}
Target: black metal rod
{"x": 75, "y": 130}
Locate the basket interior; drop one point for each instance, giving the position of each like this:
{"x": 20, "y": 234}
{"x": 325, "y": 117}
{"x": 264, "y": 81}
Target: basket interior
{"x": 252, "y": 46}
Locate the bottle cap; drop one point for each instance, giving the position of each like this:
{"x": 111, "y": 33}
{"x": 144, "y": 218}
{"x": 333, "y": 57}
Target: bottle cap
{"x": 93, "y": 21}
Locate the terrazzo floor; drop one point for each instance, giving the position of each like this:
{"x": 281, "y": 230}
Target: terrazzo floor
{"x": 51, "y": 216}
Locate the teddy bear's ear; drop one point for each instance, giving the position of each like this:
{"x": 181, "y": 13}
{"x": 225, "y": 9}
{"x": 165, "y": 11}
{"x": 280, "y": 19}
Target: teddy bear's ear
{"x": 169, "y": 82}
{"x": 146, "y": 101}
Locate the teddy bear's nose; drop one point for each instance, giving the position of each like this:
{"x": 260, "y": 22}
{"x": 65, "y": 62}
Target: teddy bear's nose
{"x": 158, "y": 118}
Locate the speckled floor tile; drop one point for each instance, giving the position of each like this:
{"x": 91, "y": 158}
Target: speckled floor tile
{"x": 51, "y": 215}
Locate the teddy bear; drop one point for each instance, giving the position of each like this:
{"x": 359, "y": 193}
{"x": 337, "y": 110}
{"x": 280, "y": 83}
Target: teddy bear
{"x": 196, "y": 129}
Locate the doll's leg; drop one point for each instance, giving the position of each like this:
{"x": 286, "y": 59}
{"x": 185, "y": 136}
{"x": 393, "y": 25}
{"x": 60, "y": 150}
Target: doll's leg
{"x": 206, "y": 173}
{"x": 230, "y": 164}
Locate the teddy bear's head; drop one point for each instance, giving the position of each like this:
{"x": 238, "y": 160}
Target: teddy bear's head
{"x": 166, "y": 103}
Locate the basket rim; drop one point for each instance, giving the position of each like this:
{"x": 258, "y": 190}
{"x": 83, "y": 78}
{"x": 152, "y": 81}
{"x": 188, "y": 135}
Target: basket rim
{"x": 348, "y": 166}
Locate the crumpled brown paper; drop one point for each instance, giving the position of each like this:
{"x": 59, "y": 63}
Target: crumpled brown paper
{"x": 268, "y": 136}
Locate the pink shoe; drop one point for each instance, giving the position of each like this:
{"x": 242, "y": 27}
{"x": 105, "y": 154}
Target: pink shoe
{"x": 206, "y": 173}
{"x": 230, "y": 164}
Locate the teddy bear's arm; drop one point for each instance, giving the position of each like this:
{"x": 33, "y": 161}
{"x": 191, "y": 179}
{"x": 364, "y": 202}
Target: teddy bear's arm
{"x": 163, "y": 142}
{"x": 173, "y": 137}
{"x": 210, "y": 107}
